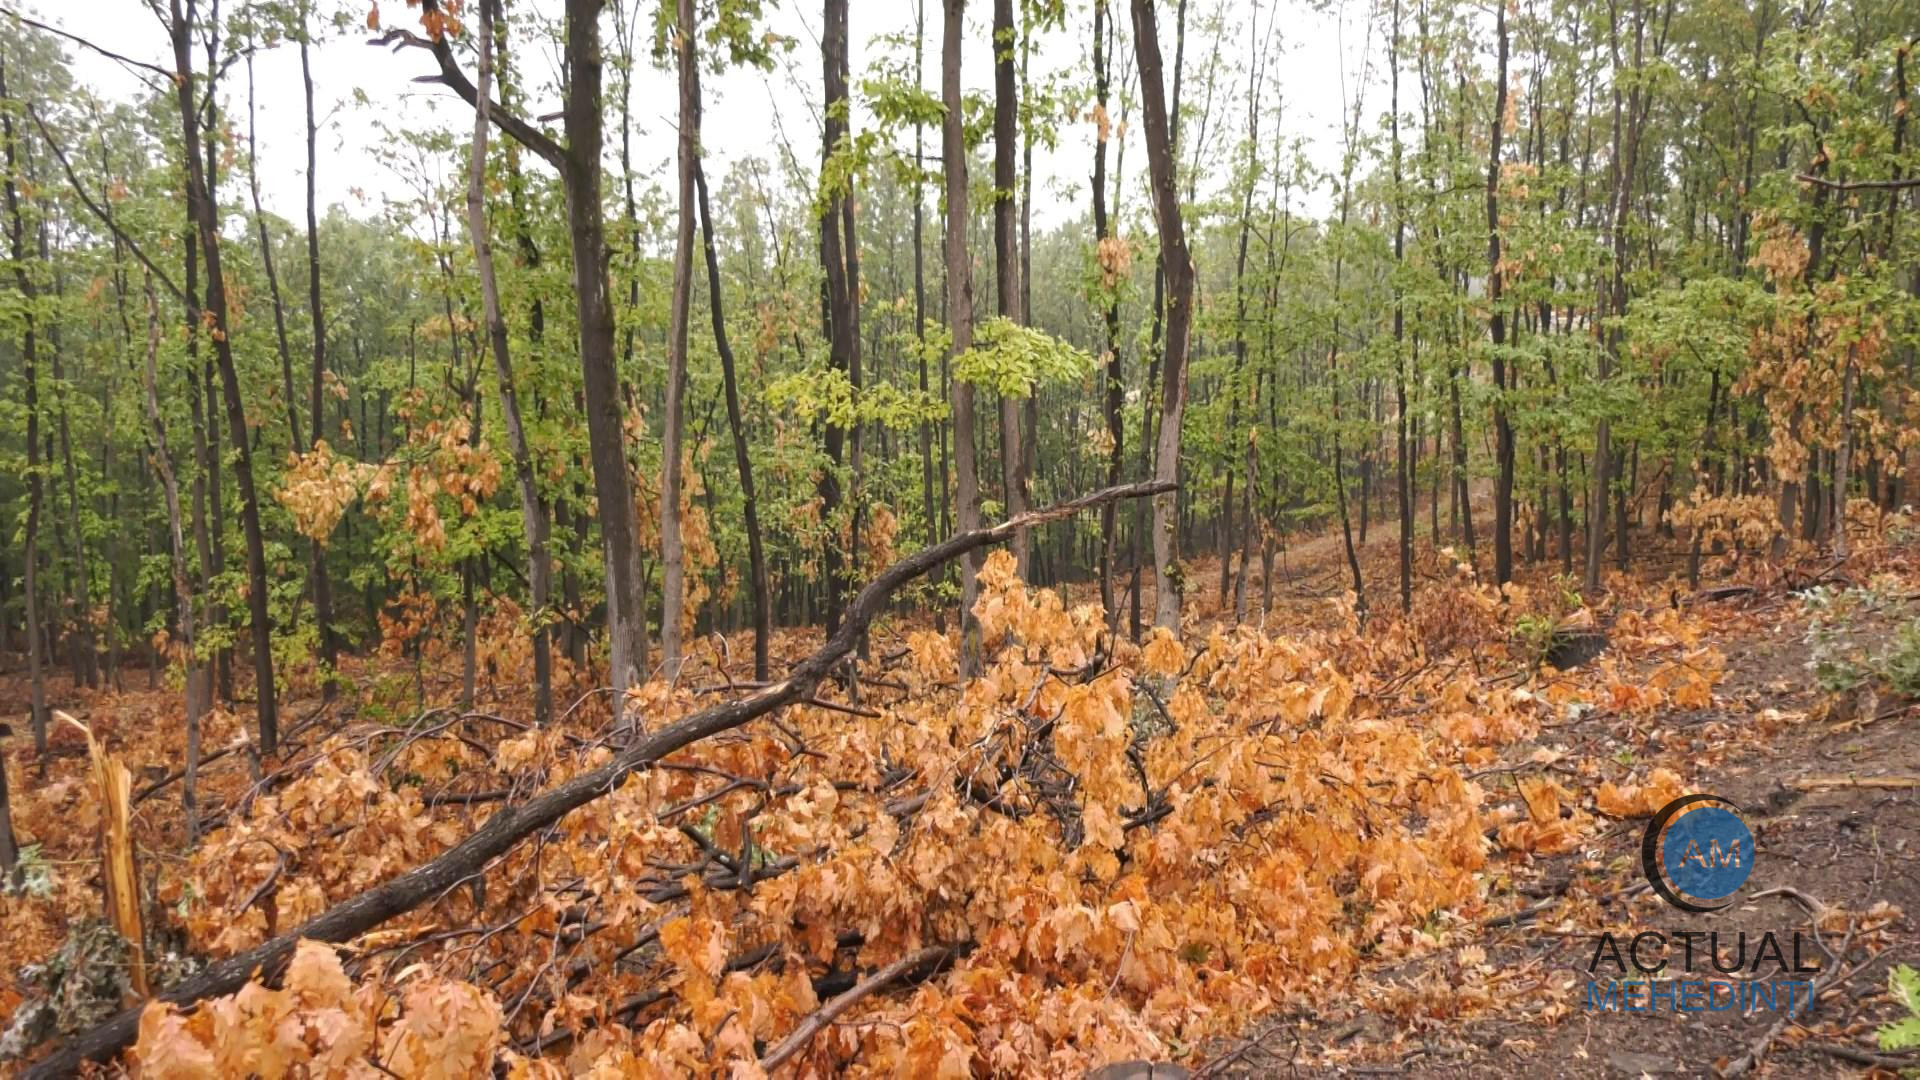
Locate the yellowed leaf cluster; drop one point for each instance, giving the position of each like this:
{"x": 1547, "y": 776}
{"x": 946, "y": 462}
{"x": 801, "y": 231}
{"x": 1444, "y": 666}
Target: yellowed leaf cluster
{"x": 320, "y": 1024}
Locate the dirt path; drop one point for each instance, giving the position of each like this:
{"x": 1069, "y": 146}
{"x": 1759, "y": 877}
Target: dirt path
{"x": 1521, "y": 1010}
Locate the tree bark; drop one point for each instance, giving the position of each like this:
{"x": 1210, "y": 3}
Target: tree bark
{"x": 756, "y": 553}
{"x": 580, "y": 171}
{"x": 1403, "y": 465}
{"x": 322, "y": 586}
{"x": 1497, "y": 325}
{"x": 934, "y": 524}
{"x": 1115, "y": 390}
{"x": 533, "y": 512}
{"x": 953, "y": 152}
{"x": 672, "y": 553}
{"x": 1178, "y": 265}
{"x": 206, "y": 221}
{"x": 199, "y": 682}
{"x": 36, "y": 491}
{"x": 840, "y": 295}
{"x": 1005, "y": 254}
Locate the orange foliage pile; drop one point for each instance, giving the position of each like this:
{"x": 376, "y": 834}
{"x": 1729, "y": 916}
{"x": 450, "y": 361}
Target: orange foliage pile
{"x": 1126, "y": 855}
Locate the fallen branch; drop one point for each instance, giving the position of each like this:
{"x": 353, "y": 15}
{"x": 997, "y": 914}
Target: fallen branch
{"x": 798, "y": 1039}
{"x": 1822, "y": 783}
{"x": 1862, "y": 1057}
{"x": 1757, "y": 1050}
{"x": 1859, "y": 185}
{"x": 512, "y": 824}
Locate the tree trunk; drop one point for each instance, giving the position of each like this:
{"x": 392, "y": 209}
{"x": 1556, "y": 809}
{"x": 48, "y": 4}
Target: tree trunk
{"x": 533, "y": 512}
{"x": 36, "y": 492}
{"x": 953, "y": 155}
{"x": 207, "y": 224}
{"x": 934, "y": 524}
{"x": 1103, "y": 235}
{"x": 586, "y": 226}
{"x": 1403, "y": 465}
{"x": 1005, "y": 254}
{"x": 1180, "y": 273}
{"x": 840, "y": 300}
{"x": 1497, "y": 325}
{"x": 672, "y": 555}
{"x": 756, "y": 554}
{"x": 322, "y": 587}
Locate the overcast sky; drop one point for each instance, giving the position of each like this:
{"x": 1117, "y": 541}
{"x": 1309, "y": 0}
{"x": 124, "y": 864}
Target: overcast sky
{"x": 1319, "y": 55}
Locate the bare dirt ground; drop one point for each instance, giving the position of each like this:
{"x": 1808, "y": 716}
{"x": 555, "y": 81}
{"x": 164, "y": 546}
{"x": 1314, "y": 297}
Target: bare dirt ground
{"x": 1798, "y": 761}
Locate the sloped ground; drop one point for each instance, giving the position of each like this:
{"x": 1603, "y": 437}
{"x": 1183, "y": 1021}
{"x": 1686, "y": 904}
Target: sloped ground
{"x": 1487, "y": 979}
{"x": 1508, "y": 996}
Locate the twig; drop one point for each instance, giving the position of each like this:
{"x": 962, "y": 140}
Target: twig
{"x": 1863, "y": 1057}
{"x": 1757, "y": 1050}
{"x": 825, "y": 1014}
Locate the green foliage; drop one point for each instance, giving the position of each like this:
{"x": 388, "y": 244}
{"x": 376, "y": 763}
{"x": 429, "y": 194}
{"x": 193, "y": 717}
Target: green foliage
{"x": 1850, "y": 642}
{"x": 1012, "y": 360}
{"x": 1903, "y": 986}
{"x": 826, "y": 393}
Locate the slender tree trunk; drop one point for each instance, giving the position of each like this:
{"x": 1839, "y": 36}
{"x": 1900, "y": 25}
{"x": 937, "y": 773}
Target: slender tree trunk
{"x": 1254, "y": 85}
{"x": 198, "y": 678}
{"x": 1005, "y": 255}
{"x": 934, "y": 524}
{"x": 672, "y": 555}
{"x": 839, "y": 299}
{"x": 1108, "y": 256}
{"x": 533, "y": 512}
{"x": 1156, "y": 340}
{"x": 322, "y": 587}
{"x": 1403, "y": 464}
{"x": 1497, "y": 325}
{"x": 1842, "y": 461}
{"x": 85, "y": 660}
{"x": 207, "y": 224}
{"x": 1180, "y": 274}
{"x": 953, "y": 155}
{"x": 613, "y": 486}
{"x": 36, "y": 492}
{"x": 756, "y": 554}
{"x": 1619, "y": 202}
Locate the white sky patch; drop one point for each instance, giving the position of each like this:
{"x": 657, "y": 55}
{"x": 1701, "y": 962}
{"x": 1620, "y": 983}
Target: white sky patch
{"x": 747, "y": 112}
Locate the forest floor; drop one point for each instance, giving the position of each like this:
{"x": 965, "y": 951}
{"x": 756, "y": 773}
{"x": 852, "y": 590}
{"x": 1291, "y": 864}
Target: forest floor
{"x": 1802, "y": 763}
{"x": 1710, "y": 690}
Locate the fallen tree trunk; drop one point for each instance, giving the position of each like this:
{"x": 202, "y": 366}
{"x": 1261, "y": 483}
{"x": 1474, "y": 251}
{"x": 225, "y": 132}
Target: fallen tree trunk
{"x": 502, "y": 832}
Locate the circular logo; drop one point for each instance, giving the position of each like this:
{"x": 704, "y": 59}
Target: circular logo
{"x": 1694, "y": 854}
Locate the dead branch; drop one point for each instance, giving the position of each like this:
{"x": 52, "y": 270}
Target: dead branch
{"x": 825, "y": 1014}
{"x": 128, "y": 62}
{"x": 1822, "y": 783}
{"x": 511, "y": 824}
{"x": 1859, "y": 185}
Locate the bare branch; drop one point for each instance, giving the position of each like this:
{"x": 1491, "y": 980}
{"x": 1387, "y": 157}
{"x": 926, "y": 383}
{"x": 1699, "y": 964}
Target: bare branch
{"x": 126, "y": 61}
{"x": 516, "y": 128}
{"x": 1858, "y": 185}
{"x": 798, "y": 1039}
{"x": 99, "y": 211}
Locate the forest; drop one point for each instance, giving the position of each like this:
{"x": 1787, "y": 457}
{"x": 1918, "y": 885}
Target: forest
{"x": 1043, "y": 563}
